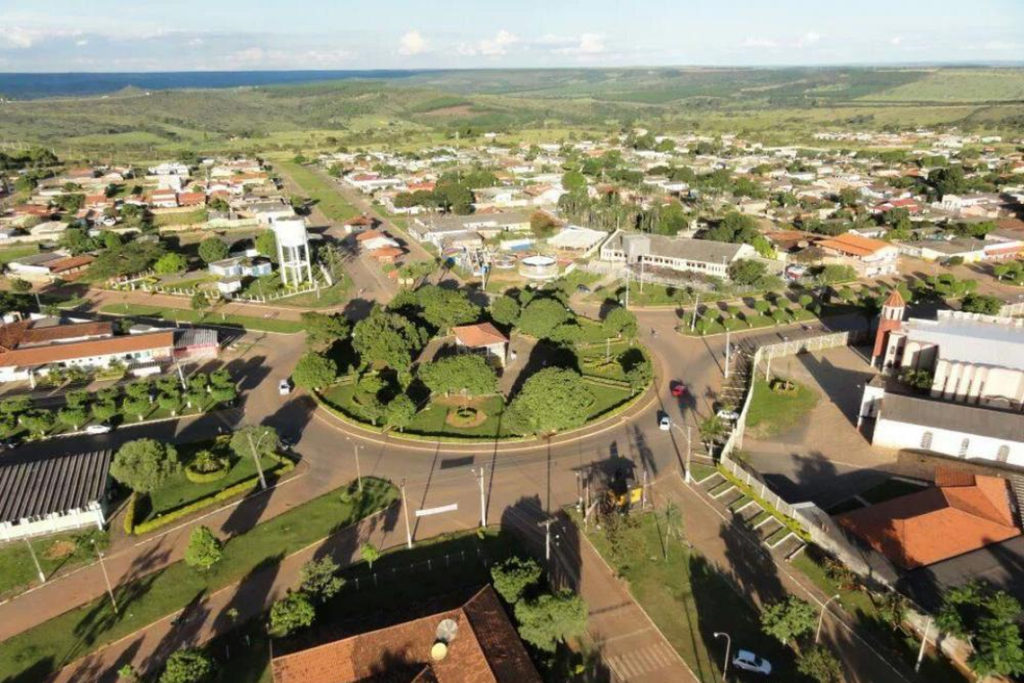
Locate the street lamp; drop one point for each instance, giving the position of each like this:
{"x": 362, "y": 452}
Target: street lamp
{"x": 255, "y": 455}
{"x": 821, "y": 617}
{"x": 106, "y": 577}
{"x": 359, "y": 476}
{"x": 728, "y": 648}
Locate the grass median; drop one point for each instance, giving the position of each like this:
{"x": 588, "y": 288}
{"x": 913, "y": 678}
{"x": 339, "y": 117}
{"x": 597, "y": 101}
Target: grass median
{"x": 39, "y": 651}
{"x": 182, "y": 315}
{"x": 327, "y": 198}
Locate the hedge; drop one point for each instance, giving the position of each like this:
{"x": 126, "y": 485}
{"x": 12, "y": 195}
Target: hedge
{"x": 205, "y": 477}
{"x": 129, "y": 514}
{"x": 224, "y": 494}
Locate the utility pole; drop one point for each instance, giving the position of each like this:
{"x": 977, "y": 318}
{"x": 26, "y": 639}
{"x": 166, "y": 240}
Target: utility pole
{"x": 924, "y": 643}
{"x": 627, "y": 285}
{"x": 483, "y": 496}
{"x": 693, "y": 318}
{"x": 689, "y": 451}
{"x": 35, "y": 560}
{"x": 727, "y": 349}
{"x": 642, "y": 276}
{"x": 359, "y": 475}
{"x": 256, "y": 457}
{"x": 106, "y": 578}
{"x": 643, "y": 491}
{"x": 405, "y": 508}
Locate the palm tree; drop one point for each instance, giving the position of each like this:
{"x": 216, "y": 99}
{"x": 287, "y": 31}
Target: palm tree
{"x": 711, "y": 429}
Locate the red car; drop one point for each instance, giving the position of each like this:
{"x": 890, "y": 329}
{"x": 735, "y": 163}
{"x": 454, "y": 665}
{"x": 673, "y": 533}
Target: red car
{"x": 678, "y": 389}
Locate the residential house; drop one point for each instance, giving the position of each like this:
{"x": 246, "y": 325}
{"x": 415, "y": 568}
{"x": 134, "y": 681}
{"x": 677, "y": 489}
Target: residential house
{"x": 49, "y": 266}
{"x": 869, "y": 257}
{"x": 430, "y": 228}
{"x": 482, "y": 338}
{"x": 678, "y": 254}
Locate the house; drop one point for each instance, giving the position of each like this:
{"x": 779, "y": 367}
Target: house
{"x": 473, "y": 643}
{"x": 375, "y": 242}
{"x": 49, "y": 266}
{"x": 359, "y": 223}
{"x": 869, "y": 257}
{"x": 674, "y": 253}
{"x": 49, "y": 230}
{"x": 573, "y": 241}
{"x": 45, "y": 494}
{"x": 191, "y": 199}
{"x": 387, "y": 254}
{"x": 241, "y": 266}
{"x": 163, "y": 199}
{"x": 31, "y": 347}
{"x": 482, "y": 338}
{"x": 962, "y": 513}
{"x": 431, "y": 228}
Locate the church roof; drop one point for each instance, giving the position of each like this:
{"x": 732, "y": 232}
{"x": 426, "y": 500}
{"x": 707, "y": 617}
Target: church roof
{"x": 978, "y": 340}
{"x": 895, "y": 300}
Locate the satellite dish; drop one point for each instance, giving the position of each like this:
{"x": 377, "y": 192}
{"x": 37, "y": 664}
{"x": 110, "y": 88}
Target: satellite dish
{"x": 447, "y": 630}
{"x": 438, "y": 652}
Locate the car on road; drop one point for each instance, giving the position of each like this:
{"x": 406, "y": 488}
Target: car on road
{"x": 664, "y": 423}
{"x": 284, "y": 387}
{"x": 728, "y": 415}
{"x": 97, "y": 429}
{"x": 748, "y": 661}
{"x": 678, "y": 388}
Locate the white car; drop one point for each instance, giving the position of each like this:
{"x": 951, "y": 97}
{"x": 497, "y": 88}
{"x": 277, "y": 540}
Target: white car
{"x": 97, "y": 429}
{"x": 664, "y": 423}
{"x": 728, "y": 415}
{"x": 748, "y": 661}
{"x": 284, "y": 387}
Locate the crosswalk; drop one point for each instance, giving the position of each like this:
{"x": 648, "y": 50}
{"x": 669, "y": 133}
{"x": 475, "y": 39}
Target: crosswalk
{"x": 639, "y": 663}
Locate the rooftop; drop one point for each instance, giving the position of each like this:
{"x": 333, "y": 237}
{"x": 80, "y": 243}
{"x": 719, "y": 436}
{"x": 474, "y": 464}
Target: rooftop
{"x": 32, "y": 486}
{"x": 481, "y": 334}
{"x": 971, "y": 338}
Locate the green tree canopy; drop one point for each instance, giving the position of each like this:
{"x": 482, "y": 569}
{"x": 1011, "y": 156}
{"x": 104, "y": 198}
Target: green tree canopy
{"x": 747, "y": 271}
{"x": 982, "y": 303}
{"x": 289, "y": 614}
{"x": 189, "y": 665}
{"x": 444, "y": 308}
{"x": 399, "y": 412}
{"x": 468, "y": 373}
{"x": 320, "y": 578}
{"x": 314, "y": 371}
{"x": 322, "y": 329}
{"x": 266, "y": 244}
{"x": 551, "y": 619}
{"x": 263, "y": 438}
{"x": 204, "y": 549}
{"x": 144, "y": 464}
{"x": 787, "y": 620}
{"x": 620, "y": 321}
{"x": 387, "y": 338}
{"x": 213, "y": 249}
{"x": 989, "y": 618}
{"x": 515, "y": 576}
{"x": 820, "y": 665}
{"x": 170, "y": 263}
{"x": 505, "y": 311}
{"x": 550, "y": 400}
{"x": 541, "y": 317}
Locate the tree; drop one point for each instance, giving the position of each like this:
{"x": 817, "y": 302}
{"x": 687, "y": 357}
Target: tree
{"x": 893, "y": 609}
{"x": 574, "y": 181}
{"x": 111, "y": 240}
{"x": 323, "y": 330}
{"x": 104, "y": 410}
{"x": 170, "y": 263}
{"x": 982, "y": 303}
{"x": 787, "y": 620}
{"x": 541, "y": 316}
{"x": 289, "y": 614}
{"x": 320, "y": 579}
{"x": 137, "y": 407}
{"x": 189, "y": 665}
{"x": 543, "y": 224}
{"x": 505, "y": 311}
{"x": 514, "y": 576}
{"x": 204, "y": 549}
{"x": 128, "y": 674}
{"x": 171, "y": 402}
{"x": 213, "y": 249}
{"x": 387, "y": 338}
{"x": 261, "y": 438}
{"x": 747, "y": 272}
{"x": 143, "y": 465}
{"x": 551, "y": 619}
{"x": 15, "y": 406}
{"x": 621, "y": 322}
{"x": 988, "y": 618}
{"x": 399, "y": 412}
{"x": 21, "y": 286}
{"x": 464, "y": 373}
{"x": 73, "y": 417}
{"x": 445, "y": 308}
{"x": 550, "y": 400}
{"x": 266, "y": 244}
{"x": 314, "y": 371}
{"x": 820, "y": 665}
{"x": 369, "y": 553}
{"x": 39, "y": 422}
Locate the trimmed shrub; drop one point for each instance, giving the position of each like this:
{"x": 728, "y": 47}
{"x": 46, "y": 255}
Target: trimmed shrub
{"x": 129, "y": 514}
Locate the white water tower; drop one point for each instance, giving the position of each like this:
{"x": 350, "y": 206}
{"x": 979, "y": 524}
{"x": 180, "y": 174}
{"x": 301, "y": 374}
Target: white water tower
{"x": 293, "y": 251}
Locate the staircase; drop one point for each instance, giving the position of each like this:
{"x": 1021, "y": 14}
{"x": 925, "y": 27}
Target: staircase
{"x": 1017, "y": 495}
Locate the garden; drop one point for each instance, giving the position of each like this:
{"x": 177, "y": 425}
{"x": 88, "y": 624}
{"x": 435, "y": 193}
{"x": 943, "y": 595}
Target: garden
{"x": 399, "y": 370}
{"x": 56, "y": 553}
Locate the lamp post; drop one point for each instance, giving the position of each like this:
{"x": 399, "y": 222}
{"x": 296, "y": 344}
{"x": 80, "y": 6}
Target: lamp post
{"x": 256, "y": 457}
{"x": 821, "y": 617}
{"x": 359, "y": 476}
{"x": 106, "y": 577}
{"x": 35, "y": 560}
{"x": 728, "y": 649}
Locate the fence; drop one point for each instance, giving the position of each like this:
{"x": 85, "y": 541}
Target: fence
{"x": 1012, "y": 310}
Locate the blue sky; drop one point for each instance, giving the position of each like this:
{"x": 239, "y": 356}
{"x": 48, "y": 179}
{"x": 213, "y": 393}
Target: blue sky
{"x": 158, "y": 35}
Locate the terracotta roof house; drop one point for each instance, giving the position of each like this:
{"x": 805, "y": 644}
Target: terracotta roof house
{"x": 484, "y": 338}
{"x": 477, "y": 644}
{"x": 869, "y": 257}
{"x": 387, "y": 254}
{"x": 963, "y": 512}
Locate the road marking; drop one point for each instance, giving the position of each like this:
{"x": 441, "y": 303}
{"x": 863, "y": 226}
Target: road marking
{"x": 427, "y": 512}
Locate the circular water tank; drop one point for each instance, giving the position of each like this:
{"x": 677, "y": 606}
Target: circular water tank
{"x": 291, "y": 232}
{"x": 439, "y": 651}
{"x": 538, "y": 268}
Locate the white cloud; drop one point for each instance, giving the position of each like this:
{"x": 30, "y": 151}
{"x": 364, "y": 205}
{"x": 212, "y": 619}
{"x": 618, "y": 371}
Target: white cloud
{"x": 809, "y": 38}
{"x": 249, "y": 56}
{"x": 412, "y": 43}
{"x": 895, "y": 40}
{"x": 195, "y": 42}
{"x": 499, "y": 44}
{"x": 24, "y": 37}
{"x": 586, "y": 44}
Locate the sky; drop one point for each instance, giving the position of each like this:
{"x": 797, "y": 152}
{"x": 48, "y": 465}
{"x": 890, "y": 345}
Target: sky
{"x": 160, "y": 35}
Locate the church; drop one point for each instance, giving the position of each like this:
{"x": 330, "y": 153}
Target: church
{"x": 967, "y": 400}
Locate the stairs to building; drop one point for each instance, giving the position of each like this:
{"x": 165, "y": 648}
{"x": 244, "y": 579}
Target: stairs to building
{"x": 1017, "y": 493}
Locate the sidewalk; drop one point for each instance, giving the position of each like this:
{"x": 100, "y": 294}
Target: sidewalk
{"x": 703, "y": 520}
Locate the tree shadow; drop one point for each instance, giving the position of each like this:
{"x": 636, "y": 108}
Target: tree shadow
{"x": 751, "y": 566}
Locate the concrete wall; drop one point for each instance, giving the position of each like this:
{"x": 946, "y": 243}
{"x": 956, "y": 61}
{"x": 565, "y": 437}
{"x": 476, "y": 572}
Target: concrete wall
{"x": 897, "y": 435}
{"x": 56, "y": 522}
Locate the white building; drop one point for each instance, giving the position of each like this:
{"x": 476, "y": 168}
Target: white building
{"x": 293, "y": 255}
{"x": 675, "y": 253}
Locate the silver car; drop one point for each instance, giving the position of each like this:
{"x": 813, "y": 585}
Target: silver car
{"x": 748, "y": 661}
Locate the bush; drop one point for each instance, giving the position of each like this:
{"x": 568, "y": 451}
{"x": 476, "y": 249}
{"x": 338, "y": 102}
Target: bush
{"x": 129, "y": 514}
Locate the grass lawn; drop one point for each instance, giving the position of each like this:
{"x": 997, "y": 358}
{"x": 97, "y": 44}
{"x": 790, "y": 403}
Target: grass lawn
{"x": 608, "y": 397}
{"x": 772, "y": 412}
{"x": 31, "y": 655}
{"x": 327, "y": 198}
{"x": 700, "y": 471}
{"x": 210, "y": 318}
{"x": 688, "y": 599}
{"x": 162, "y": 220}
{"x": 934, "y": 669}
{"x": 593, "y": 331}
{"x": 11, "y": 253}
{"x": 55, "y": 553}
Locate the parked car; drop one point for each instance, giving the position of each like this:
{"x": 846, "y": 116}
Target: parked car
{"x": 664, "y": 423}
{"x": 97, "y": 429}
{"x": 728, "y": 415}
{"x": 678, "y": 388}
{"x": 748, "y": 661}
{"x": 284, "y": 387}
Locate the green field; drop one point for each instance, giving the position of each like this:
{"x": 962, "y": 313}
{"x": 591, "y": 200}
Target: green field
{"x": 772, "y": 412}
{"x": 197, "y": 317}
{"x": 10, "y": 253}
{"x": 56, "y": 553}
{"x": 327, "y": 197}
{"x": 954, "y": 85}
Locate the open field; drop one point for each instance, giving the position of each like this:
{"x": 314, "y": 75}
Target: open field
{"x": 326, "y": 197}
{"x": 198, "y": 317}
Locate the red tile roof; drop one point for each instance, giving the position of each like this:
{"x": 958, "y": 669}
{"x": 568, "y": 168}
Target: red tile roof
{"x": 486, "y": 649}
{"x": 853, "y": 245}
{"x": 938, "y": 523}
{"x": 56, "y": 353}
{"x": 481, "y": 334}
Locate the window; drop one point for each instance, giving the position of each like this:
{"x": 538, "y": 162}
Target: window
{"x": 926, "y": 440}
{"x": 963, "y": 447}
{"x": 1004, "y": 453}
